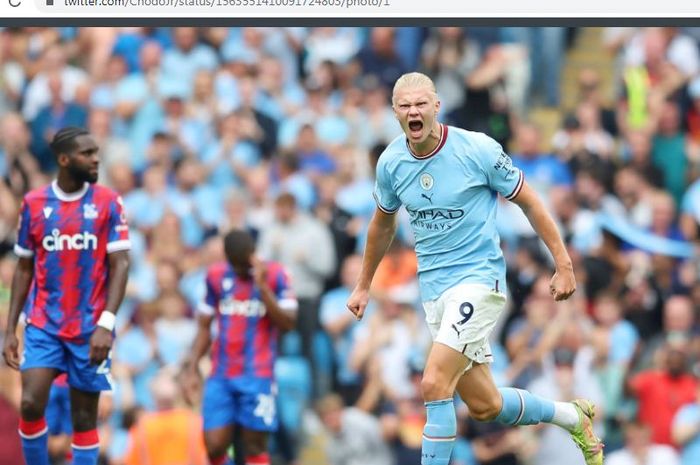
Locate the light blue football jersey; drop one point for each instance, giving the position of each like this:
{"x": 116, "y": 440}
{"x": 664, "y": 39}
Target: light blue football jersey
{"x": 450, "y": 195}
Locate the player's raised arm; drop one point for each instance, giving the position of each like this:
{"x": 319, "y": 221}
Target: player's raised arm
{"x": 21, "y": 282}
{"x": 382, "y": 228}
{"x": 280, "y": 309}
{"x": 563, "y": 282}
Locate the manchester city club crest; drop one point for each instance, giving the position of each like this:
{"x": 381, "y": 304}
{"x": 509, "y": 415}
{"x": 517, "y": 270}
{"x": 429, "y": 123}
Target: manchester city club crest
{"x": 426, "y": 181}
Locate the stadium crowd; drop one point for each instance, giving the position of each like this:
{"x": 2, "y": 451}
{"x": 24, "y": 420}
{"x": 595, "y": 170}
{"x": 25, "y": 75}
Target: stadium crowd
{"x": 277, "y": 131}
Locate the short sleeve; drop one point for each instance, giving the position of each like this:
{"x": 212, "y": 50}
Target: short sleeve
{"x": 118, "y": 234}
{"x": 384, "y": 194}
{"x": 501, "y": 175}
{"x": 208, "y": 305}
{"x": 690, "y": 200}
{"x": 24, "y": 247}
{"x": 283, "y": 291}
{"x": 687, "y": 416}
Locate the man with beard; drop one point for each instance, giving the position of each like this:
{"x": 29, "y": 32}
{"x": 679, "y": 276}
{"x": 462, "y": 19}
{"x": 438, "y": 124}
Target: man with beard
{"x": 72, "y": 243}
{"x": 662, "y": 392}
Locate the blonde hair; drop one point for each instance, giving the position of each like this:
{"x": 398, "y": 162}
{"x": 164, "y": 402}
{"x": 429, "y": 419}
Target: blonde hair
{"x": 414, "y": 80}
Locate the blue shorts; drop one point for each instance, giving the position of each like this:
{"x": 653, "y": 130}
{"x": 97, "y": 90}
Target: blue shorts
{"x": 58, "y": 417}
{"x": 245, "y": 401}
{"x": 43, "y": 350}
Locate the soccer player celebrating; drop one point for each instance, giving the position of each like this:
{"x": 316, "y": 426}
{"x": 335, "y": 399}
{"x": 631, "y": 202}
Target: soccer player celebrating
{"x": 251, "y": 301}
{"x": 448, "y": 180}
{"x": 72, "y": 244}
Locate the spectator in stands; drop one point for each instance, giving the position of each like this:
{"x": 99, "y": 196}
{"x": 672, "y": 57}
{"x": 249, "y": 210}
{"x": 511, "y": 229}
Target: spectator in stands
{"x": 18, "y": 167}
{"x": 305, "y": 247}
{"x": 621, "y": 335}
{"x": 690, "y": 211}
{"x": 53, "y": 64}
{"x": 113, "y": 149}
{"x": 692, "y": 116}
{"x": 641, "y": 449}
{"x": 379, "y": 56}
{"x": 188, "y": 56}
{"x": 635, "y": 192}
{"x": 354, "y": 436}
{"x": 398, "y": 268}
{"x": 686, "y": 431}
{"x": 543, "y": 171}
{"x": 546, "y": 46}
{"x": 183, "y": 113}
{"x": 589, "y": 92}
{"x": 662, "y": 392}
{"x": 335, "y": 44}
{"x": 449, "y": 56}
{"x": 197, "y": 205}
{"x": 663, "y": 217}
{"x": 394, "y": 336}
{"x": 341, "y": 327}
{"x": 668, "y": 150}
{"x": 639, "y": 146}
{"x": 563, "y": 383}
{"x": 170, "y": 435}
{"x": 57, "y": 114}
{"x": 678, "y": 321}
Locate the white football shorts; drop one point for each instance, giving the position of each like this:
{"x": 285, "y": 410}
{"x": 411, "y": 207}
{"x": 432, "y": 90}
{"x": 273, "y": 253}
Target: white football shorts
{"x": 463, "y": 318}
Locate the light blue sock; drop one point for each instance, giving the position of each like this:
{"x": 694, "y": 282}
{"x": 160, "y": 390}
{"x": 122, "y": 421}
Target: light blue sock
{"x": 439, "y": 432}
{"x": 520, "y": 407}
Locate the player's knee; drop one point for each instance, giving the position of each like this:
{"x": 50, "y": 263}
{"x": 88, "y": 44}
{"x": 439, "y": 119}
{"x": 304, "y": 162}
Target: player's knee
{"x": 485, "y": 410}
{"x": 256, "y": 443}
{"x": 31, "y": 407}
{"x": 434, "y": 388}
{"x": 215, "y": 446}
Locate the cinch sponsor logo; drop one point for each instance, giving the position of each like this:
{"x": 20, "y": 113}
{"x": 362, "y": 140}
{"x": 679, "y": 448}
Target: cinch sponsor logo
{"x": 55, "y": 242}
{"x": 251, "y": 308}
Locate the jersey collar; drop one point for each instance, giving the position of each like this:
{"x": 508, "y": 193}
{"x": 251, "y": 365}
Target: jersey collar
{"x": 66, "y": 196}
{"x": 441, "y": 143}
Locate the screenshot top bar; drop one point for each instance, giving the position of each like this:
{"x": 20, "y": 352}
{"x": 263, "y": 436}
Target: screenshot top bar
{"x": 416, "y": 9}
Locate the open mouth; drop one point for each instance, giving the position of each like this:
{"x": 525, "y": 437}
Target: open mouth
{"x": 415, "y": 127}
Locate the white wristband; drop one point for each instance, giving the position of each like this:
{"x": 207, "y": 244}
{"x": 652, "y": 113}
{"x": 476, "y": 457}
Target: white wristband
{"x": 107, "y": 320}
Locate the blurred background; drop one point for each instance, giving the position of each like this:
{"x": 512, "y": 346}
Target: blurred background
{"x": 277, "y": 130}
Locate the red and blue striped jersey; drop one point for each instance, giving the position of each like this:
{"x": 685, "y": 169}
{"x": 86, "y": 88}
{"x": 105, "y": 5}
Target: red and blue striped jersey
{"x": 246, "y": 343}
{"x": 69, "y": 235}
